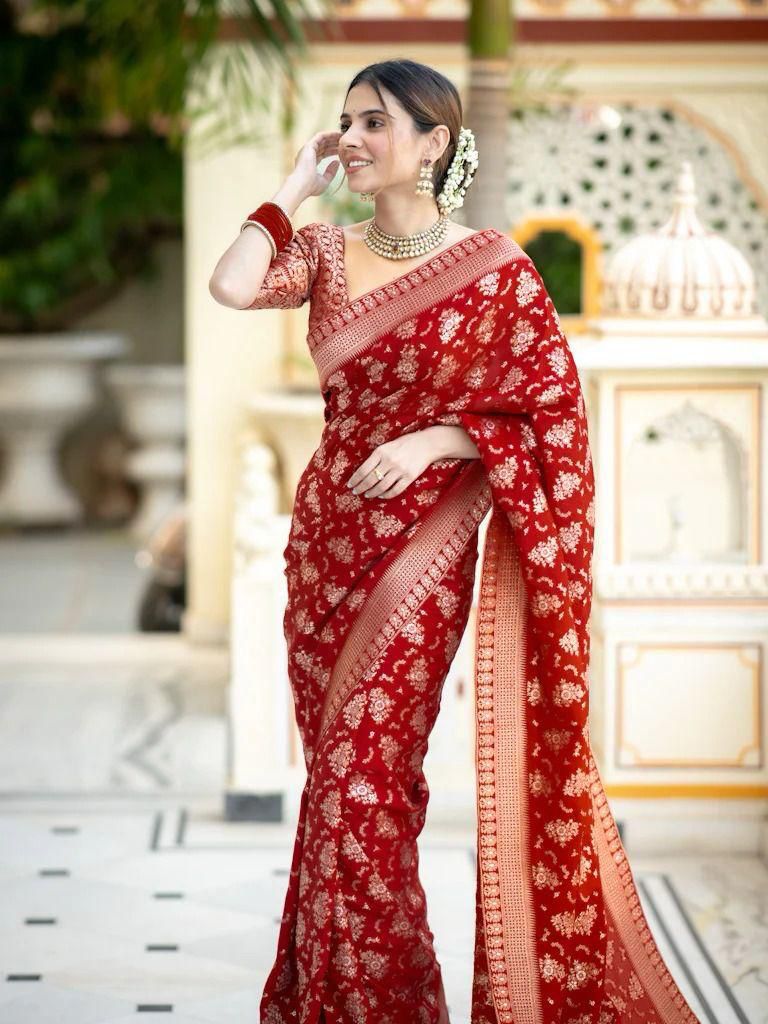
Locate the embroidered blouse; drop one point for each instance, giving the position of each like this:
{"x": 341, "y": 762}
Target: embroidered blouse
{"x": 310, "y": 267}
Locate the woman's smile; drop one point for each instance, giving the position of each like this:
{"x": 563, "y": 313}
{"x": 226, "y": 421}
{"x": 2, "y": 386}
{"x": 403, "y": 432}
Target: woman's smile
{"x": 357, "y": 167}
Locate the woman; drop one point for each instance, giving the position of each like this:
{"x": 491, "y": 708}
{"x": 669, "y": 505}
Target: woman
{"x": 450, "y": 392}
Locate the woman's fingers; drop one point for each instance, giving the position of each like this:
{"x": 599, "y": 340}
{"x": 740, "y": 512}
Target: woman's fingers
{"x": 323, "y": 143}
{"x": 326, "y": 142}
{"x": 375, "y": 488}
{"x": 397, "y": 488}
{"x": 365, "y": 469}
{"x": 368, "y": 479}
{"x": 331, "y": 169}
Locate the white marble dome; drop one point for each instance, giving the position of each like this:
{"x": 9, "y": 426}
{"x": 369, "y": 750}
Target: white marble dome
{"x": 681, "y": 270}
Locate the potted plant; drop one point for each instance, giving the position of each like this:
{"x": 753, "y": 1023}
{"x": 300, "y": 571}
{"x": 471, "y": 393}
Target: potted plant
{"x": 95, "y": 101}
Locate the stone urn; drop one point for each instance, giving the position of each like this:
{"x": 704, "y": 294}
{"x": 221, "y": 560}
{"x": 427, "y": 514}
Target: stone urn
{"x": 153, "y": 411}
{"x": 47, "y": 381}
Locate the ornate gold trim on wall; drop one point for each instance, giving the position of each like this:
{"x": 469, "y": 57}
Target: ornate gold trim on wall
{"x": 588, "y": 240}
{"x": 754, "y": 662}
{"x": 660, "y": 791}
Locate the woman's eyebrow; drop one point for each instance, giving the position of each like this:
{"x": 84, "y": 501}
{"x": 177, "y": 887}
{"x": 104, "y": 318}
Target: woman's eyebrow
{"x": 373, "y": 110}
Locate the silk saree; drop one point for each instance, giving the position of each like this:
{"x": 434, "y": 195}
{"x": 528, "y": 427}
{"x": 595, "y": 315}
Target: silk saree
{"x": 379, "y": 596}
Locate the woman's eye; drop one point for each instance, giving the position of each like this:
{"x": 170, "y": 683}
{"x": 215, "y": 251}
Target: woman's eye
{"x": 372, "y": 120}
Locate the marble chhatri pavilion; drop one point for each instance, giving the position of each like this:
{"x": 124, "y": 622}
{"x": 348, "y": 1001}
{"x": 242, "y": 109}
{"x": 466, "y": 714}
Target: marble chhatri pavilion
{"x": 675, "y": 375}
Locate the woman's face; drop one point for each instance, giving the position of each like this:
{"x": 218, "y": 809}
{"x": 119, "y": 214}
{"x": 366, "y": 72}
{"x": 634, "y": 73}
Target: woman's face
{"x": 363, "y": 125}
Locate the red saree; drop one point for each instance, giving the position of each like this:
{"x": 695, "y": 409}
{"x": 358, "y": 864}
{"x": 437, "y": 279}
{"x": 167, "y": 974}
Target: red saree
{"x": 379, "y": 592}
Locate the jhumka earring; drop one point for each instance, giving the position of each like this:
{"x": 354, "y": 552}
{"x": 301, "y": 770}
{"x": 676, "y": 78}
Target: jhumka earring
{"x": 425, "y": 186}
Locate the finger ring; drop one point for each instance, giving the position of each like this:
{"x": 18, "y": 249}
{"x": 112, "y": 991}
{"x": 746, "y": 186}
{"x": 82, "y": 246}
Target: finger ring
{"x": 378, "y": 473}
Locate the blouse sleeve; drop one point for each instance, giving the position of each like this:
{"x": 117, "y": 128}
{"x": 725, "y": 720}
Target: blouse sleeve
{"x": 291, "y": 274}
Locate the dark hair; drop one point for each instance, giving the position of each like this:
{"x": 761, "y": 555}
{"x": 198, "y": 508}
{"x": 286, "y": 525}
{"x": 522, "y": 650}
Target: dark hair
{"x": 429, "y": 97}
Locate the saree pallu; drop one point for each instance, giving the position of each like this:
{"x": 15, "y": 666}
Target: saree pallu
{"x": 379, "y": 595}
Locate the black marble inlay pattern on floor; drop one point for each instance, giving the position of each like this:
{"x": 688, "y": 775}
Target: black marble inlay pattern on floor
{"x": 739, "y": 1013}
{"x": 690, "y": 961}
{"x": 157, "y": 828}
{"x": 221, "y": 885}
{"x": 661, "y": 927}
{"x": 181, "y": 826}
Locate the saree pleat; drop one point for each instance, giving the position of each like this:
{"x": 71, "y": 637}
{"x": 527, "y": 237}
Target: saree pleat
{"x": 379, "y": 597}
{"x": 355, "y": 910}
{"x": 407, "y": 580}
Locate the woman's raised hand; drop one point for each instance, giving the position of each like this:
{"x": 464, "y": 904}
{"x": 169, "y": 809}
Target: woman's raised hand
{"x": 321, "y": 144}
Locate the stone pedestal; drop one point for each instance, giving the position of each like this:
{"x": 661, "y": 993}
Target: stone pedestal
{"x": 46, "y": 384}
{"x": 153, "y": 410}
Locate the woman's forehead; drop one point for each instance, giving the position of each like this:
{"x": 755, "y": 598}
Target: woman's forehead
{"x": 362, "y": 100}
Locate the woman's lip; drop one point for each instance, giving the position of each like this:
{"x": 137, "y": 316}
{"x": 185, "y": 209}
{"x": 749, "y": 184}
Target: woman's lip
{"x": 359, "y": 167}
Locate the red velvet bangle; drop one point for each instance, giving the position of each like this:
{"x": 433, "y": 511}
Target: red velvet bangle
{"x": 285, "y": 229}
{"x": 275, "y": 220}
{"x": 274, "y": 226}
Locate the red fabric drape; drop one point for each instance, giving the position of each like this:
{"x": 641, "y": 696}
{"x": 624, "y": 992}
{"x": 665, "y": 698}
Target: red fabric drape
{"x": 379, "y": 596}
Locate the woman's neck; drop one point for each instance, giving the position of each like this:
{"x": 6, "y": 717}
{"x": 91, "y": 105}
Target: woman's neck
{"x": 404, "y": 217}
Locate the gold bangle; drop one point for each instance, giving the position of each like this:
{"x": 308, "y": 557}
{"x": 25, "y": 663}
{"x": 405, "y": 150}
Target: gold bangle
{"x": 265, "y": 231}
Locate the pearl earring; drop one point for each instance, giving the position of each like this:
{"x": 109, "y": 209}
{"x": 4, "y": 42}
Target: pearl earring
{"x": 425, "y": 186}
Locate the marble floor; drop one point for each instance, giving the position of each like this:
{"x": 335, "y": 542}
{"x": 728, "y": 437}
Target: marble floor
{"x": 113, "y": 913}
{"x": 69, "y": 580}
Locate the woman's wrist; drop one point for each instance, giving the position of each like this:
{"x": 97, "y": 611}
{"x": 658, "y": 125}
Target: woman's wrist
{"x": 290, "y": 195}
{"x": 450, "y": 442}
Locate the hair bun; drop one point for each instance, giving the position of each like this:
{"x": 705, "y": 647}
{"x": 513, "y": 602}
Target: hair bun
{"x": 460, "y": 173}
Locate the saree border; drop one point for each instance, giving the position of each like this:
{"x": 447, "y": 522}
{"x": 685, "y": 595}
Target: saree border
{"x": 405, "y": 584}
{"x": 502, "y": 781}
{"x": 350, "y": 331}
{"x": 622, "y": 903}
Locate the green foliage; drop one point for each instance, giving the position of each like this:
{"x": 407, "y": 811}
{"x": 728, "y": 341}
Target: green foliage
{"x": 559, "y": 258}
{"x": 96, "y": 99}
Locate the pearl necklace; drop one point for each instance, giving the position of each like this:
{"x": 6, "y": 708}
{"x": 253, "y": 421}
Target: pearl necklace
{"x": 402, "y": 247}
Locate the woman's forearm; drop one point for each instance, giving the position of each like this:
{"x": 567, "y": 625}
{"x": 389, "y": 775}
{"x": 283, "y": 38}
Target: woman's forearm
{"x": 451, "y": 442}
{"x": 240, "y": 271}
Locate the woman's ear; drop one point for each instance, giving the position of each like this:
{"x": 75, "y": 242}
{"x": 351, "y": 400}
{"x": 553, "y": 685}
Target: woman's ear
{"x": 441, "y": 138}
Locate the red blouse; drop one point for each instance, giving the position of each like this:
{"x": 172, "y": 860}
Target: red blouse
{"x": 310, "y": 267}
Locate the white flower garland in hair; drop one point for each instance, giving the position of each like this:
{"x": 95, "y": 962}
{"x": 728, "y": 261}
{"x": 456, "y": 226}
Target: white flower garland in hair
{"x": 453, "y": 192}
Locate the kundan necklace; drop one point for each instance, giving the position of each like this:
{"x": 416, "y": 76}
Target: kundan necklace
{"x": 402, "y": 247}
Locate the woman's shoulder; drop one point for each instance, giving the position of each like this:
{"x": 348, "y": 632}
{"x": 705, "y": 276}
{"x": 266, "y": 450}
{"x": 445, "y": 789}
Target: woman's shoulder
{"x": 467, "y": 232}
{"x": 316, "y": 231}
{"x": 323, "y": 246}
{"x": 324, "y": 240}
{"x": 516, "y": 254}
